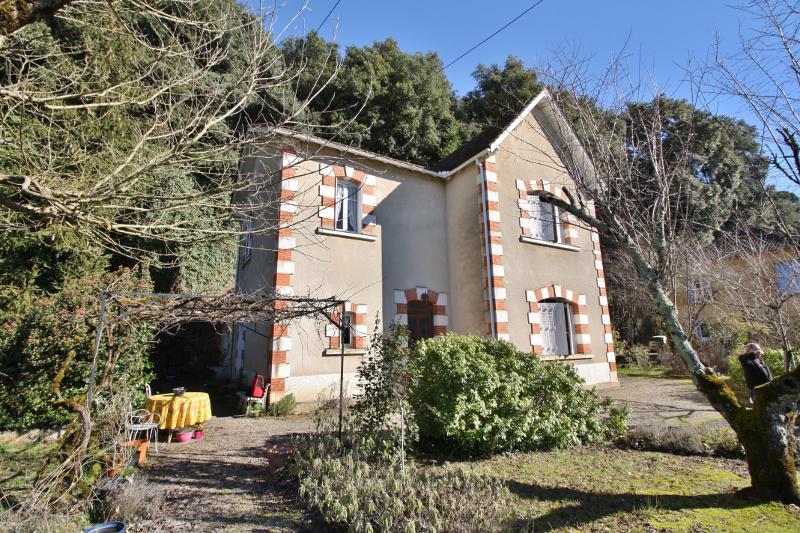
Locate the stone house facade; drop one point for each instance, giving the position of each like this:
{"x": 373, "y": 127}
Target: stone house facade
{"x": 459, "y": 246}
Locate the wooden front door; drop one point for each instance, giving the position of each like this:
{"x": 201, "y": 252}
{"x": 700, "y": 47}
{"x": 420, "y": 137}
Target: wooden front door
{"x": 420, "y": 320}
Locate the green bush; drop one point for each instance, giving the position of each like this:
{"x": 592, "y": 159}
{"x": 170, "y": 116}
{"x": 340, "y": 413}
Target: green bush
{"x": 773, "y": 358}
{"x": 34, "y": 346}
{"x": 370, "y": 496}
{"x": 476, "y": 395}
{"x": 282, "y": 407}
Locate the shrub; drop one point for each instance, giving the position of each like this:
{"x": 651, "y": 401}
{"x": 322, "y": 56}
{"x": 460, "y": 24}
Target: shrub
{"x": 282, "y": 407}
{"x": 477, "y": 395}
{"x": 33, "y": 348}
{"x": 773, "y": 358}
{"x": 382, "y": 413}
{"x": 348, "y": 490}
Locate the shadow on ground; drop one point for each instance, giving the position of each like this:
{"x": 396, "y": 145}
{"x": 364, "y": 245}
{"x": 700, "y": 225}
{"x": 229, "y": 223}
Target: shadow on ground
{"x": 586, "y": 507}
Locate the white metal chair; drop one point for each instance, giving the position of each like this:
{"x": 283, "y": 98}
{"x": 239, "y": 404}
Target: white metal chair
{"x": 142, "y": 420}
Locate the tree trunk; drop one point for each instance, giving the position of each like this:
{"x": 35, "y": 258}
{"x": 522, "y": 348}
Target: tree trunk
{"x": 766, "y": 430}
{"x": 767, "y": 433}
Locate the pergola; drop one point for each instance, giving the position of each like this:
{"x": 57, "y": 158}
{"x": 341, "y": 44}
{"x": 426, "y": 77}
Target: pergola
{"x": 170, "y": 310}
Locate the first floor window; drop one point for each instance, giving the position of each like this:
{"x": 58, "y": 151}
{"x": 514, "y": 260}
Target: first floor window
{"x": 546, "y": 220}
{"x": 558, "y": 332}
{"x": 788, "y": 274}
{"x": 347, "y": 206}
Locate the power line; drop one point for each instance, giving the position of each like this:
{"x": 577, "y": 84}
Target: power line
{"x": 328, "y": 15}
{"x": 507, "y": 24}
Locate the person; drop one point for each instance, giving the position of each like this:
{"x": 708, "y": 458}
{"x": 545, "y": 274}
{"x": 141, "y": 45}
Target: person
{"x": 756, "y": 371}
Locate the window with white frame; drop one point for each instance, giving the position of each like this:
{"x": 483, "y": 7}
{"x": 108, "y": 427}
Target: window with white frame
{"x": 348, "y": 206}
{"x": 247, "y": 238}
{"x": 788, "y": 277}
{"x": 699, "y": 291}
{"x": 557, "y": 328}
{"x": 546, "y": 223}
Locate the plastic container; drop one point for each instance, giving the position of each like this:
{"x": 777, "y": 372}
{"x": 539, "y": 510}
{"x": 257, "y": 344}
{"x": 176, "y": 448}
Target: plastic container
{"x": 184, "y": 436}
{"x": 107, "y": 527}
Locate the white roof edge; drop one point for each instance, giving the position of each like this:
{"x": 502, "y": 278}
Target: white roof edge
{"x": 520, "y": 117}
{"x": 351, "y": 150}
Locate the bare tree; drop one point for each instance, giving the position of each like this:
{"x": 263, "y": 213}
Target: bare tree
{"x": 753, "y": 275}
{"x": 630, "y": 174}
{"x": 145, "y": 147}
{"x": 765, "y": 76}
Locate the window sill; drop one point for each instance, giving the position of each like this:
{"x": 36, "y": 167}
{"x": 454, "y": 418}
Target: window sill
{"x": 346, "y": 234}
{"x": 336, "y": 352}
{"x": 531, "y": 240}
{"x": 573, "y": 357}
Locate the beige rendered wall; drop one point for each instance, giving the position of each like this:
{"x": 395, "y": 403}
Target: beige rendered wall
{"x": 467, "y": 302}
{"x": 258, "y": 272}
{"x": 527, "y": 155}
{"x": 410, "y": 250}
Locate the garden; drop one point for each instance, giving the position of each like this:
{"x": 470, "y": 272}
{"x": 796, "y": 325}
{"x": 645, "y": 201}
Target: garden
{"x": 467, "y": 434}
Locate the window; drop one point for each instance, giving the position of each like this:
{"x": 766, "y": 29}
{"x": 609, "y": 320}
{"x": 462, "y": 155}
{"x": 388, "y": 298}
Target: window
{"x": 546, "y": 220}
{"x": 700, "y": 331}
{"x": 788, "y": 277}
{"x": 247, "y": 238}
{"x": 348, "y": 208}
{"x": 420, "y": 320}
{"x": 348, "y": 319}
{"x": 699, "y": 291}
{"x": 558, "y": 332}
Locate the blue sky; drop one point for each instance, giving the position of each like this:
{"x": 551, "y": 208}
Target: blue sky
{"x": 661, "y": 35}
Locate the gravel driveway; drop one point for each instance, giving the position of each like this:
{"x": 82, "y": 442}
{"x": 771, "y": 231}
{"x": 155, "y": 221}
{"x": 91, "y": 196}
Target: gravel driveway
{"x": 221, "y": 483}
{"x": 664, "y": 402}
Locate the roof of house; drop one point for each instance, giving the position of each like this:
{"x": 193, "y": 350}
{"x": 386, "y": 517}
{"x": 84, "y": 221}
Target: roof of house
{"x": 485, "y": 142}
{"x": 468, "y": 150}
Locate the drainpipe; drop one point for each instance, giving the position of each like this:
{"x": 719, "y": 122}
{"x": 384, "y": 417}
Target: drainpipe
{"x": 488, "y": 243}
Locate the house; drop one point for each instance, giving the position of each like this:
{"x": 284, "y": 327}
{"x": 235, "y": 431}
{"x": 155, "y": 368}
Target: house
{"x": 460, "y": 246}
{"x": 747, "y": 281}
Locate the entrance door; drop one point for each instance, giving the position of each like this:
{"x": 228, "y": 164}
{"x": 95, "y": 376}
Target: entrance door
{"x": 555, "y": 340}
{"x": 420, "y": 320}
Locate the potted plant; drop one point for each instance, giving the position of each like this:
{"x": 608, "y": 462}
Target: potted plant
{"x": 278, "y": 455}
{"x": 199, "y": 429}
{"x": 184, "y": 434}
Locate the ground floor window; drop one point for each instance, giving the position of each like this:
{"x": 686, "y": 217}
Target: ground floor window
{"x": 420, "y": 320}
{"x": 557, "y": 329}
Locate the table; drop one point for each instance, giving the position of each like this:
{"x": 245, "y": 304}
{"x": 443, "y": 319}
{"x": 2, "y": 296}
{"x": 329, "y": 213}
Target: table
{"x": 180, "y": 411}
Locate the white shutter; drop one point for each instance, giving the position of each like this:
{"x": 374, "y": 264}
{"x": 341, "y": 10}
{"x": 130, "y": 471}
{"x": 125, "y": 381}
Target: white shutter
{"x": 554, "y": 323}
{"x": 543, "y": 223}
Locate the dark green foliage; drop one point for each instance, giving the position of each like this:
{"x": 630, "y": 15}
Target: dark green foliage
{"x": 477, "y": 395}
{"x": 407, "y": 101}
{"x": 501, "y": 93}
{"x": 34, "y": 345}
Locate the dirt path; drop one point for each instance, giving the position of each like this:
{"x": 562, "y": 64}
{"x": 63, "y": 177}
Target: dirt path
{"x": 664, "y": 402}
{"x": 221, "y": 483}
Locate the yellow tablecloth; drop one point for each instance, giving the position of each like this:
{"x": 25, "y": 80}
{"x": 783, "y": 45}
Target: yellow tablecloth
{"x": 180, "y": 411}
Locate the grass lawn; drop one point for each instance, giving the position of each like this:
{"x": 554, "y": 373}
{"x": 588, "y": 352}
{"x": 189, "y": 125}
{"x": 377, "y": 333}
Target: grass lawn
{"x": 607, "y": 489}
{"x": 18, "y": 466}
